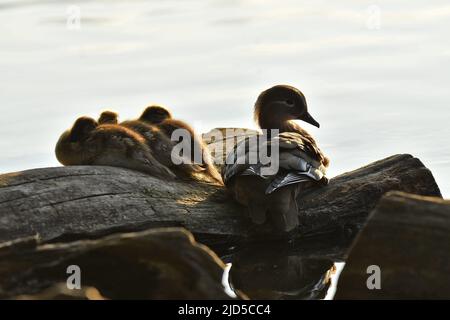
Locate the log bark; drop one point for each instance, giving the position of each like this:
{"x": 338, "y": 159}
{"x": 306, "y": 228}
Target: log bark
{"x": 79, "y": 202}
{"x": 407, "y": 239}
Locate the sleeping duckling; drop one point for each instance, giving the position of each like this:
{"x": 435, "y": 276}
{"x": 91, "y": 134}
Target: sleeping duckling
{"x": 108, "y": 117}
{"x": 88, "y": 143}
{"x": 155, "y": 114}
{"x": 158, "y": 143}
{"x": 69, "y": 148}
{"x": 302, "y": 165}
{"x": 161, "y": 118}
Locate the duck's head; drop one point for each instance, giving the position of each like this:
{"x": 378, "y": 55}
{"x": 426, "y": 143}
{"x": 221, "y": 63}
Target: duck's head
{"x": 155, "y": 114}
{"x": 82, "y": 128}
{"x": 279, "y": 104}
{"x": 108, "y": 117}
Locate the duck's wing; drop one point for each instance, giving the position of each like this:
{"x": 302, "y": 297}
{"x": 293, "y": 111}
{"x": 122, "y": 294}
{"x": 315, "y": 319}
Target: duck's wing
{"x": 294, "y": 156}
{"x": 304, "y": 144}
{"x": 290, "y": 178}
{"x": 298, "y": 161}
{"x": 242, "y": 160}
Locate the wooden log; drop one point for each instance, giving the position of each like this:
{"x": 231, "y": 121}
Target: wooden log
{"x": 407, "y": 239}
{"x": 78, "y": 202}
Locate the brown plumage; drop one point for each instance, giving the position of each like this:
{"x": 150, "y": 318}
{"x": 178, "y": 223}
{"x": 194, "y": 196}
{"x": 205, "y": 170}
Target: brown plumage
{"x": 69, "y": 148}
{"x": 155, "y": 114}
{"x": 273, "y": 199}
{"x": 197, "y": 162}
{"x": 160, "y": 145}
{"x": 88, "y": 143}
{"x": 108, "y": 117}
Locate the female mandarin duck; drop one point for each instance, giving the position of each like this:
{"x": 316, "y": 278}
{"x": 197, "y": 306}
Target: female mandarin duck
{"x": 272, "y": 198}
{"x": 91, "y": 143}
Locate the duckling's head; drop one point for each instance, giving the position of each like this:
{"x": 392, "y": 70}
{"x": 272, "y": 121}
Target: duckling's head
{"x": 279, "y": 104}
{"x": 155, "y": 114}
{"x": 108, "y": 117}
{"x": 82, "y": 128}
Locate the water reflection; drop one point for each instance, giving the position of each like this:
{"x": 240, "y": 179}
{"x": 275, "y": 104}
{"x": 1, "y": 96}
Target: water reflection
{"x": 276, "y": 271}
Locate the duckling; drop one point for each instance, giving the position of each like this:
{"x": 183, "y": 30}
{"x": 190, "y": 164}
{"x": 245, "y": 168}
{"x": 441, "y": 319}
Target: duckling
{"x": 302, "y": 165}
{"x": 155, "y": 114}
{"x": 108, "y": 117}
{"x": 69, "y": 148}
{"x": 160, "y": 145}
{"x": 160, "y": 117}
{"x": 88, "y": 143}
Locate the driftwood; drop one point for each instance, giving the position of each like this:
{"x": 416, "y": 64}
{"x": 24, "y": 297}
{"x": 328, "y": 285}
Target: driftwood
{"x": 79, "y": 202}
{"x": 408, "y": 238}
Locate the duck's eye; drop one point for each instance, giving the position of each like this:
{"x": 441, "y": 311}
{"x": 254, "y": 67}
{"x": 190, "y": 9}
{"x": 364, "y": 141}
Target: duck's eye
{"x": 290, "y": 102}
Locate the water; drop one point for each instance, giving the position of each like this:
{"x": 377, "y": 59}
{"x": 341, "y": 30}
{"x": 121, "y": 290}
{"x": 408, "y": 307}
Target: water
{"x": 274, "y": 270}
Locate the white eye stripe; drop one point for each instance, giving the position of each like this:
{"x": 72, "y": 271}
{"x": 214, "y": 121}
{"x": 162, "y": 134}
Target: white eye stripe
{"x": 288, "y": 103}
{"x": 283, "y": 103}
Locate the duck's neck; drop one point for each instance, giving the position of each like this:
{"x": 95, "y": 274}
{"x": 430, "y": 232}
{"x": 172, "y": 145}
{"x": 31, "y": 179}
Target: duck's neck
{"x": 283, "y": 125}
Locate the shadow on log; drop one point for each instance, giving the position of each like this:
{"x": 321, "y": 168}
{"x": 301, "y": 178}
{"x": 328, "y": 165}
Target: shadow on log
{"x": 154, "y": 264}
{"x": 408, "y": 238}
{"x": 79, "y": 202}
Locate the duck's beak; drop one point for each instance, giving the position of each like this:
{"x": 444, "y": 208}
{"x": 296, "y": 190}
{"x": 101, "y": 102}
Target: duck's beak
{"x": 308, "y": 118}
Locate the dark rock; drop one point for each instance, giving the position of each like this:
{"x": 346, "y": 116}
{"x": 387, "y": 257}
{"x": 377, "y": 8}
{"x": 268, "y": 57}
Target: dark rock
{"x": 408, "y": 237}
{"x": 154, "y": 264}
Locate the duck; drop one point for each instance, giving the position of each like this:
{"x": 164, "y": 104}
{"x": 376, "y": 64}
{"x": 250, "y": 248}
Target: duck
{"x": 155, "y": 114}
{"x": 159, "y": 144}
{"x": 108, "y": 117}
{"x": 271, "y": 199}
{"x": 69, "y": 148}
{"x": 89, "y": 143}
{"x": 160, "y": 117}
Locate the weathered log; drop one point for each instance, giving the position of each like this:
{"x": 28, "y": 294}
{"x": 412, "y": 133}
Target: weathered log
{"x": 408, "y": 238}
{"x": 78, "y": 202}
{"x": 153, "y": 264}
